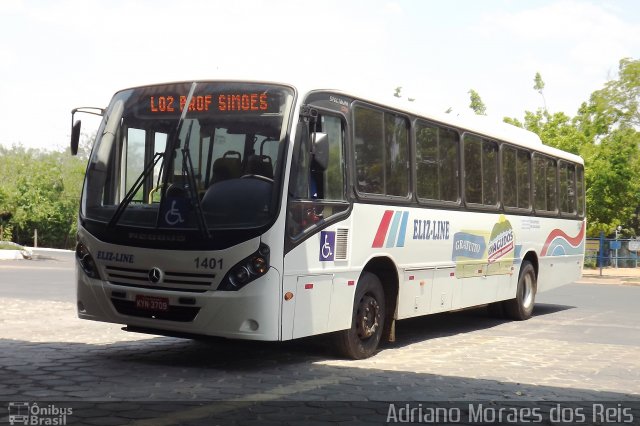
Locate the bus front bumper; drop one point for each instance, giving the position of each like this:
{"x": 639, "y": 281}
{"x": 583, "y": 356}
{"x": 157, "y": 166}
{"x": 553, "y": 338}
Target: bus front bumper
{"x": 252, "y": 313}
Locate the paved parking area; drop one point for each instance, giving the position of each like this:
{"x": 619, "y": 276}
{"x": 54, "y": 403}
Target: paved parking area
{"x": 576, "y": 348}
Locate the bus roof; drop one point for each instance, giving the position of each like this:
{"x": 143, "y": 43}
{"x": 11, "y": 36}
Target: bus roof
{"x": 479, "y": 124}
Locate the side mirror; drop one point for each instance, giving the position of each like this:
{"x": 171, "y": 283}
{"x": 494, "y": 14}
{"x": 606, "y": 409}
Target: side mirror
{"x": 75, "y": 137}
{"x": 75, "y": 126}
{"x": 320, "y": 149}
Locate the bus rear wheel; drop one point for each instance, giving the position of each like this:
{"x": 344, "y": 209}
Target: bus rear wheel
{"x": 521, "y": 307}
{"x": 367, "y": 322}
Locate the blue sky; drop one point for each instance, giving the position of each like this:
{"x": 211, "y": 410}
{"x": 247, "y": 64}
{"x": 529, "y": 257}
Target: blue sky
{"x": 55, "y": 56}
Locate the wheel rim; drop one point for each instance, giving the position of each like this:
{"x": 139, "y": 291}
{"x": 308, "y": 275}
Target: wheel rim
{"x": 367, "y": 321}
{"x": 527, "y": 291}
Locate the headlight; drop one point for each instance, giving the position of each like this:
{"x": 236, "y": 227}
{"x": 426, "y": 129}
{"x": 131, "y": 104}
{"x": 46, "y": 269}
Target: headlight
{"x": 86, "y": 261}
{"x": 247, "y": 270}
{"x": 239, "y": 276}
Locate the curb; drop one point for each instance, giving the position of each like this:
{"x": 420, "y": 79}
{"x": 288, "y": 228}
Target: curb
{"x": 49, "y": 249}
{"x": 30, "y": 253}
{"x": 11, "y": 255}
{"x": 628, "y": 281}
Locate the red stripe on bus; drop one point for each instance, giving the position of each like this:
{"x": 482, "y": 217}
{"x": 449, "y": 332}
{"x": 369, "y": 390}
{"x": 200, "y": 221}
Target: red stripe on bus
{"x": 573, "y": 241}
{"x": 378, "y": 241}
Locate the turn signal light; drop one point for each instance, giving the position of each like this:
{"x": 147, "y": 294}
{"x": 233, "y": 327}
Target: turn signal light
{"x": 258, "y": 266}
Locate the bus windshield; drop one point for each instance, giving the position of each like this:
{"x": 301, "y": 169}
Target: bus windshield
{"x": 189, "y": 155}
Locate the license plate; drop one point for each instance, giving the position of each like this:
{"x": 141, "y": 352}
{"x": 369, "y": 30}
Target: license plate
{"x": 151, "y": 303}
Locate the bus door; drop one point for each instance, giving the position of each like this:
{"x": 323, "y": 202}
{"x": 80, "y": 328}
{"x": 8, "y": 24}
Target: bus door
{"x": 316, "y": 210}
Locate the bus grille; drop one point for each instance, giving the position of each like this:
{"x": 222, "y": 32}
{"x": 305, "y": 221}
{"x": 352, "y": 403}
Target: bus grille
{"x": 176, "y": 281}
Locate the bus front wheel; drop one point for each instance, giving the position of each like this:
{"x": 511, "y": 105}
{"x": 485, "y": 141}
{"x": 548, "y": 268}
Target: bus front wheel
{"x": 367, "y": 321}
{"x": 521, "y": 307}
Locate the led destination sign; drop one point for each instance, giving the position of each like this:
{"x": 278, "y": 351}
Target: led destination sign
{"x": 227, "y": 102}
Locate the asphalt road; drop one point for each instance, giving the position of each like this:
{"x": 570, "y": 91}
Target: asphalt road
{"x": 48, "y": 276}
{"x": 582, "y": 344}
{"x": 612, "y": 310}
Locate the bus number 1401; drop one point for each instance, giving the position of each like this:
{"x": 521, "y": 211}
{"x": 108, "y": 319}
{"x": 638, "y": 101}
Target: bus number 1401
{"x": 208, "y": 263}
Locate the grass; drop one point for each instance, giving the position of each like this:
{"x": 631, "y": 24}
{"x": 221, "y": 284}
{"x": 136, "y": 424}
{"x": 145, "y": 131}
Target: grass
{"x": 8, "y": 245}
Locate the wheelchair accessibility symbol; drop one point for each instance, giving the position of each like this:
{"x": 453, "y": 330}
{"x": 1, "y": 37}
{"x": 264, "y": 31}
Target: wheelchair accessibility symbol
{"x": 327, "y": 245}
{"x": 173, "y": 216}
{"x": 175, "y": 212}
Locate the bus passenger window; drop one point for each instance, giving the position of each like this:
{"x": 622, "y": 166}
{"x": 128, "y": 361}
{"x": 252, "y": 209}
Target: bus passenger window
{"x": 524, "y": 179}
{"x": 481, "y": 170}
{"x": 567, "y": 188}
{"x": 437, "y": 163}
{"x": 509, "y": 177}
{"x": 369, "y": 150}
{"x": 381, "y": 142}
{"x": 516, "y": 186}
{"x": 545, "y": 183}
{"x": 396, "y": 146}
{"x": 580, "y": 190}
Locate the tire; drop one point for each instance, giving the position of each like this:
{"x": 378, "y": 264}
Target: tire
{"x": 521, "y": 307}
{"x": 367, "y": 320}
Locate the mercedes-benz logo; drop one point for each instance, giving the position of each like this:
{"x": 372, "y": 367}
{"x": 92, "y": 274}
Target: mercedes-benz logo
{"x": 155, "y": 275}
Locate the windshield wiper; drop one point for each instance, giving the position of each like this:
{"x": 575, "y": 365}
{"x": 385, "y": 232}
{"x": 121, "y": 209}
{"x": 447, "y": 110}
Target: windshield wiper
{"x": 188, "y": 173}
{"x": 134, "y": 189}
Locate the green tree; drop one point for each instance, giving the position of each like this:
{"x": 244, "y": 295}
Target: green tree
{"x": 557, "y": 130}
{"x": 476, "y": 103}
{"x": 609, "y": 122}
{"x": 41, "y": 190}
{"x": 616, "y": 105}
{"x": 538, "y": 86}
{"x": 613, "y": 181}
{"x": 604, "y": 133}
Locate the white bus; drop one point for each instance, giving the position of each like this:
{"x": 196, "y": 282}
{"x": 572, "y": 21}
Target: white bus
{"x": 253, "y": 210}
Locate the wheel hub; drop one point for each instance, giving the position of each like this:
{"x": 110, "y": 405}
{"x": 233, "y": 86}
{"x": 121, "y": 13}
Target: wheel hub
{"x": 368, "y": 317}
{"x": 527, "y": 291}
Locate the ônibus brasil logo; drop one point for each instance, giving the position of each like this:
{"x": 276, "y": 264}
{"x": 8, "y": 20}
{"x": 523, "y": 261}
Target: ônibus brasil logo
{"x": 26, "y": 413}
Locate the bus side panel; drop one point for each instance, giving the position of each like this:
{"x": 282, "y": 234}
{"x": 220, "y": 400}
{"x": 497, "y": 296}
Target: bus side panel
{"x": 482, "y": 289}
{"x": 561, "y": 257}
{"x": 446, "y": 260}
{"x": 418, "y": 288}
{"x": 556, "y": 244}
{"x": 507, "y": 290}
{"x": 559, "y": 270}
{"x": 323, "y": 290}
{"x": 312, "y": 304}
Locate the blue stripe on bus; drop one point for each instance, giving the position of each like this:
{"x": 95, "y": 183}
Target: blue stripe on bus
{"x": 403, "y": 229}
{"x": 391, "y": 238}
